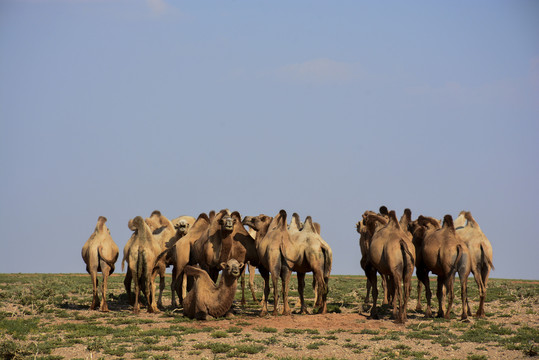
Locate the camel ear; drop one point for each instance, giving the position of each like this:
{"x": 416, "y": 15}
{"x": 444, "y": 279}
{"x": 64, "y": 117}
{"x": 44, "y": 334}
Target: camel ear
{"x": 223, "y": 265}
{"x": 242, "y": 265}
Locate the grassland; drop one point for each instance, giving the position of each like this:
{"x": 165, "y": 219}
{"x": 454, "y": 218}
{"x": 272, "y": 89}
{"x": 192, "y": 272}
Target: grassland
{"x": 47, "y": 316}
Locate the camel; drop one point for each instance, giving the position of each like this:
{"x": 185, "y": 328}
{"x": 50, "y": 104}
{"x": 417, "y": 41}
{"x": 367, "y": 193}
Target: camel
{"x": 444, "y": 253}
{"x": 206, "y": 300}
{"x": 180, "y": 253}
{"x": 390, "y": 253}
{"x": 364, "y": 243}
{"x": 166, "y": 235}
{"x": 313, "y": 254}
{"x": 252, "y": 273}
{"x": 142, "y": 257}
{"x": 100, "y": 254}
{"x": 480, "y": 252}
{"x": 273, "y": 244}
{"x": 429, "y": 224}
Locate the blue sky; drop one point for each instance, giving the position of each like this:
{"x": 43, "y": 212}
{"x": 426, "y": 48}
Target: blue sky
{"x": 117, "y": 108}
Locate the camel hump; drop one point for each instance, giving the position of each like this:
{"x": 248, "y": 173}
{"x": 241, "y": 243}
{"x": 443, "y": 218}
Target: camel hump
{"x": 393, "y": 219}
{"x": 236, "y": 215}
{"x": 408, "y": 214}
{"x": 468, "y": 216}
{"x": 383, "y": 210}
{"x": 131, "y": 225}
{"x": 101, "y": 223}
{"x": 156, "y": 213}
{"x": 282, "y": 219}
{"x": 448, "y": 222}
{"x": 138, "y": 222}
{"x": 308, "y": 225}
{"x": 203, "y": 216}
{"x": 426, "y": 220}
{"x": 295, "y": 222}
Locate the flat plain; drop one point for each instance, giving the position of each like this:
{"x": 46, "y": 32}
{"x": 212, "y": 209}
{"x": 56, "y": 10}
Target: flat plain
{"x": 47, "y": 316}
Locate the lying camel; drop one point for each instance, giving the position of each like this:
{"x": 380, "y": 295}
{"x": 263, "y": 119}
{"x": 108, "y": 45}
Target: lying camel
{"x": 100, "y": 253}
{"x": 311, "y": 253}
{"x": 142, "y": 257}
{"x": 444, "y": 253}
{"x": 273, "y": 245}
{"x": 480, "y": 252}
{"x": 391, "y": 253}
{"x": 206, "y": 300}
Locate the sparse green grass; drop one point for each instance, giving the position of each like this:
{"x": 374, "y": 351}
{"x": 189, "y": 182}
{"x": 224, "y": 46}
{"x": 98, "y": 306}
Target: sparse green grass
{"x": 40, "y": 313}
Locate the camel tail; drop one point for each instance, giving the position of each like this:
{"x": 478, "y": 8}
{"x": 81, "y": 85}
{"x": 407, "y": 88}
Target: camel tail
{"x": 486, "y": 259}
{"x": 328, "y": 260}
{"x": 140, "y": 273}
{"x": 454, "y": 267}
{"x": 405, "y": 249}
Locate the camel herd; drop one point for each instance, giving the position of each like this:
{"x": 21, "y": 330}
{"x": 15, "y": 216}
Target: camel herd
{"x": 394, "y": 247}
{"x": 199, "y": 249}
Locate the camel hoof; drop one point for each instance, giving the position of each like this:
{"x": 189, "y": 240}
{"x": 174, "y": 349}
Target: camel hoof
{"x": 263, "y": 313}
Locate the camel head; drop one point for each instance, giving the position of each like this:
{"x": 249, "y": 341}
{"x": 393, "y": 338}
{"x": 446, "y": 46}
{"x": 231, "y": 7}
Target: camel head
{"x": 257, "y": 223}
{"x": 227, "y": 223}
{"x": 232, "y": 267}
{"x": 182, "y": 227}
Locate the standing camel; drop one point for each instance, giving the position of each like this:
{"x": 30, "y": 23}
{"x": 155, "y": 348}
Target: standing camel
{"x": 100, "y": 253}
{"x": 480, "y": 251}
{"x": 444, "y": 253}
{"x": 391, "y": 253}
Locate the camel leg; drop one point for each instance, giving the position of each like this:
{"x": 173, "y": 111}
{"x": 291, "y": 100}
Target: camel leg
{"x": 418, "y": 306}
{"x": 440, "y": 294}
{"x": 407, "y": 286}
{"x": 105, "y": 271}
{"x": 173, "y": 286}
{"x": 285, "y": 282}
{"x": 127, "y": 285}
{"x": 275, "y": 283}
{"x": 385, "y": 288}
{"x": 464, "y": 295}
{"x": 161, "y": 288}
{"x": 369, "y": 286}
{"x": 242, "y": 279}
{"x": 95, "y": 295}
{"x": 423, "y": 277}
{"x": 136, "y": 305}
{"x": 301, "y": 289}
{"x": 265, "y": 276}
{"x": 449, "y": 285}
{"x": 252, "y": 273}
{"x": 321, "y": 291}
{"x": 371, "y": 274}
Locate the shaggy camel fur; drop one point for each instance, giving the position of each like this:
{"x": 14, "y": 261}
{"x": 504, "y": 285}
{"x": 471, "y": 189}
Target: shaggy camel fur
{"x": 480, "y": 252}
{"x": 365, "y": 237}
{"x": 182, "y": 224}
{"x": 166, "y": 235}
{"x": 179, "y": 256}
{"x": 444, "y": 253}
{"x": 312, "y": 253}
{"x": 100, "y": 253}
{"x": 391, "y": 253}
{"x": 142, "y": 256}
{"x": 273, "y": 244}
{"x": 206, "y": 300}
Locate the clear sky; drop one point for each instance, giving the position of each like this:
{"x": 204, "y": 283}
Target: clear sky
{"x": 325, "y": 108}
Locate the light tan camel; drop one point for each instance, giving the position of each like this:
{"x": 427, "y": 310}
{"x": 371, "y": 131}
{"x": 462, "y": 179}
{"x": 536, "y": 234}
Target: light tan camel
{"x": 313, "y": 254}
{"x": 206, "y": 300}
{"x": 273, "y": 244}
{"x": 480, "y": 252}
{"x": 252, "y": 273}
{"x": 444, "y": 253}
{"x": 391, "y": 253}
{"x": 99, "y": 254}
{"x": 142, "y": 256}
{"x": 180, "y": 254}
